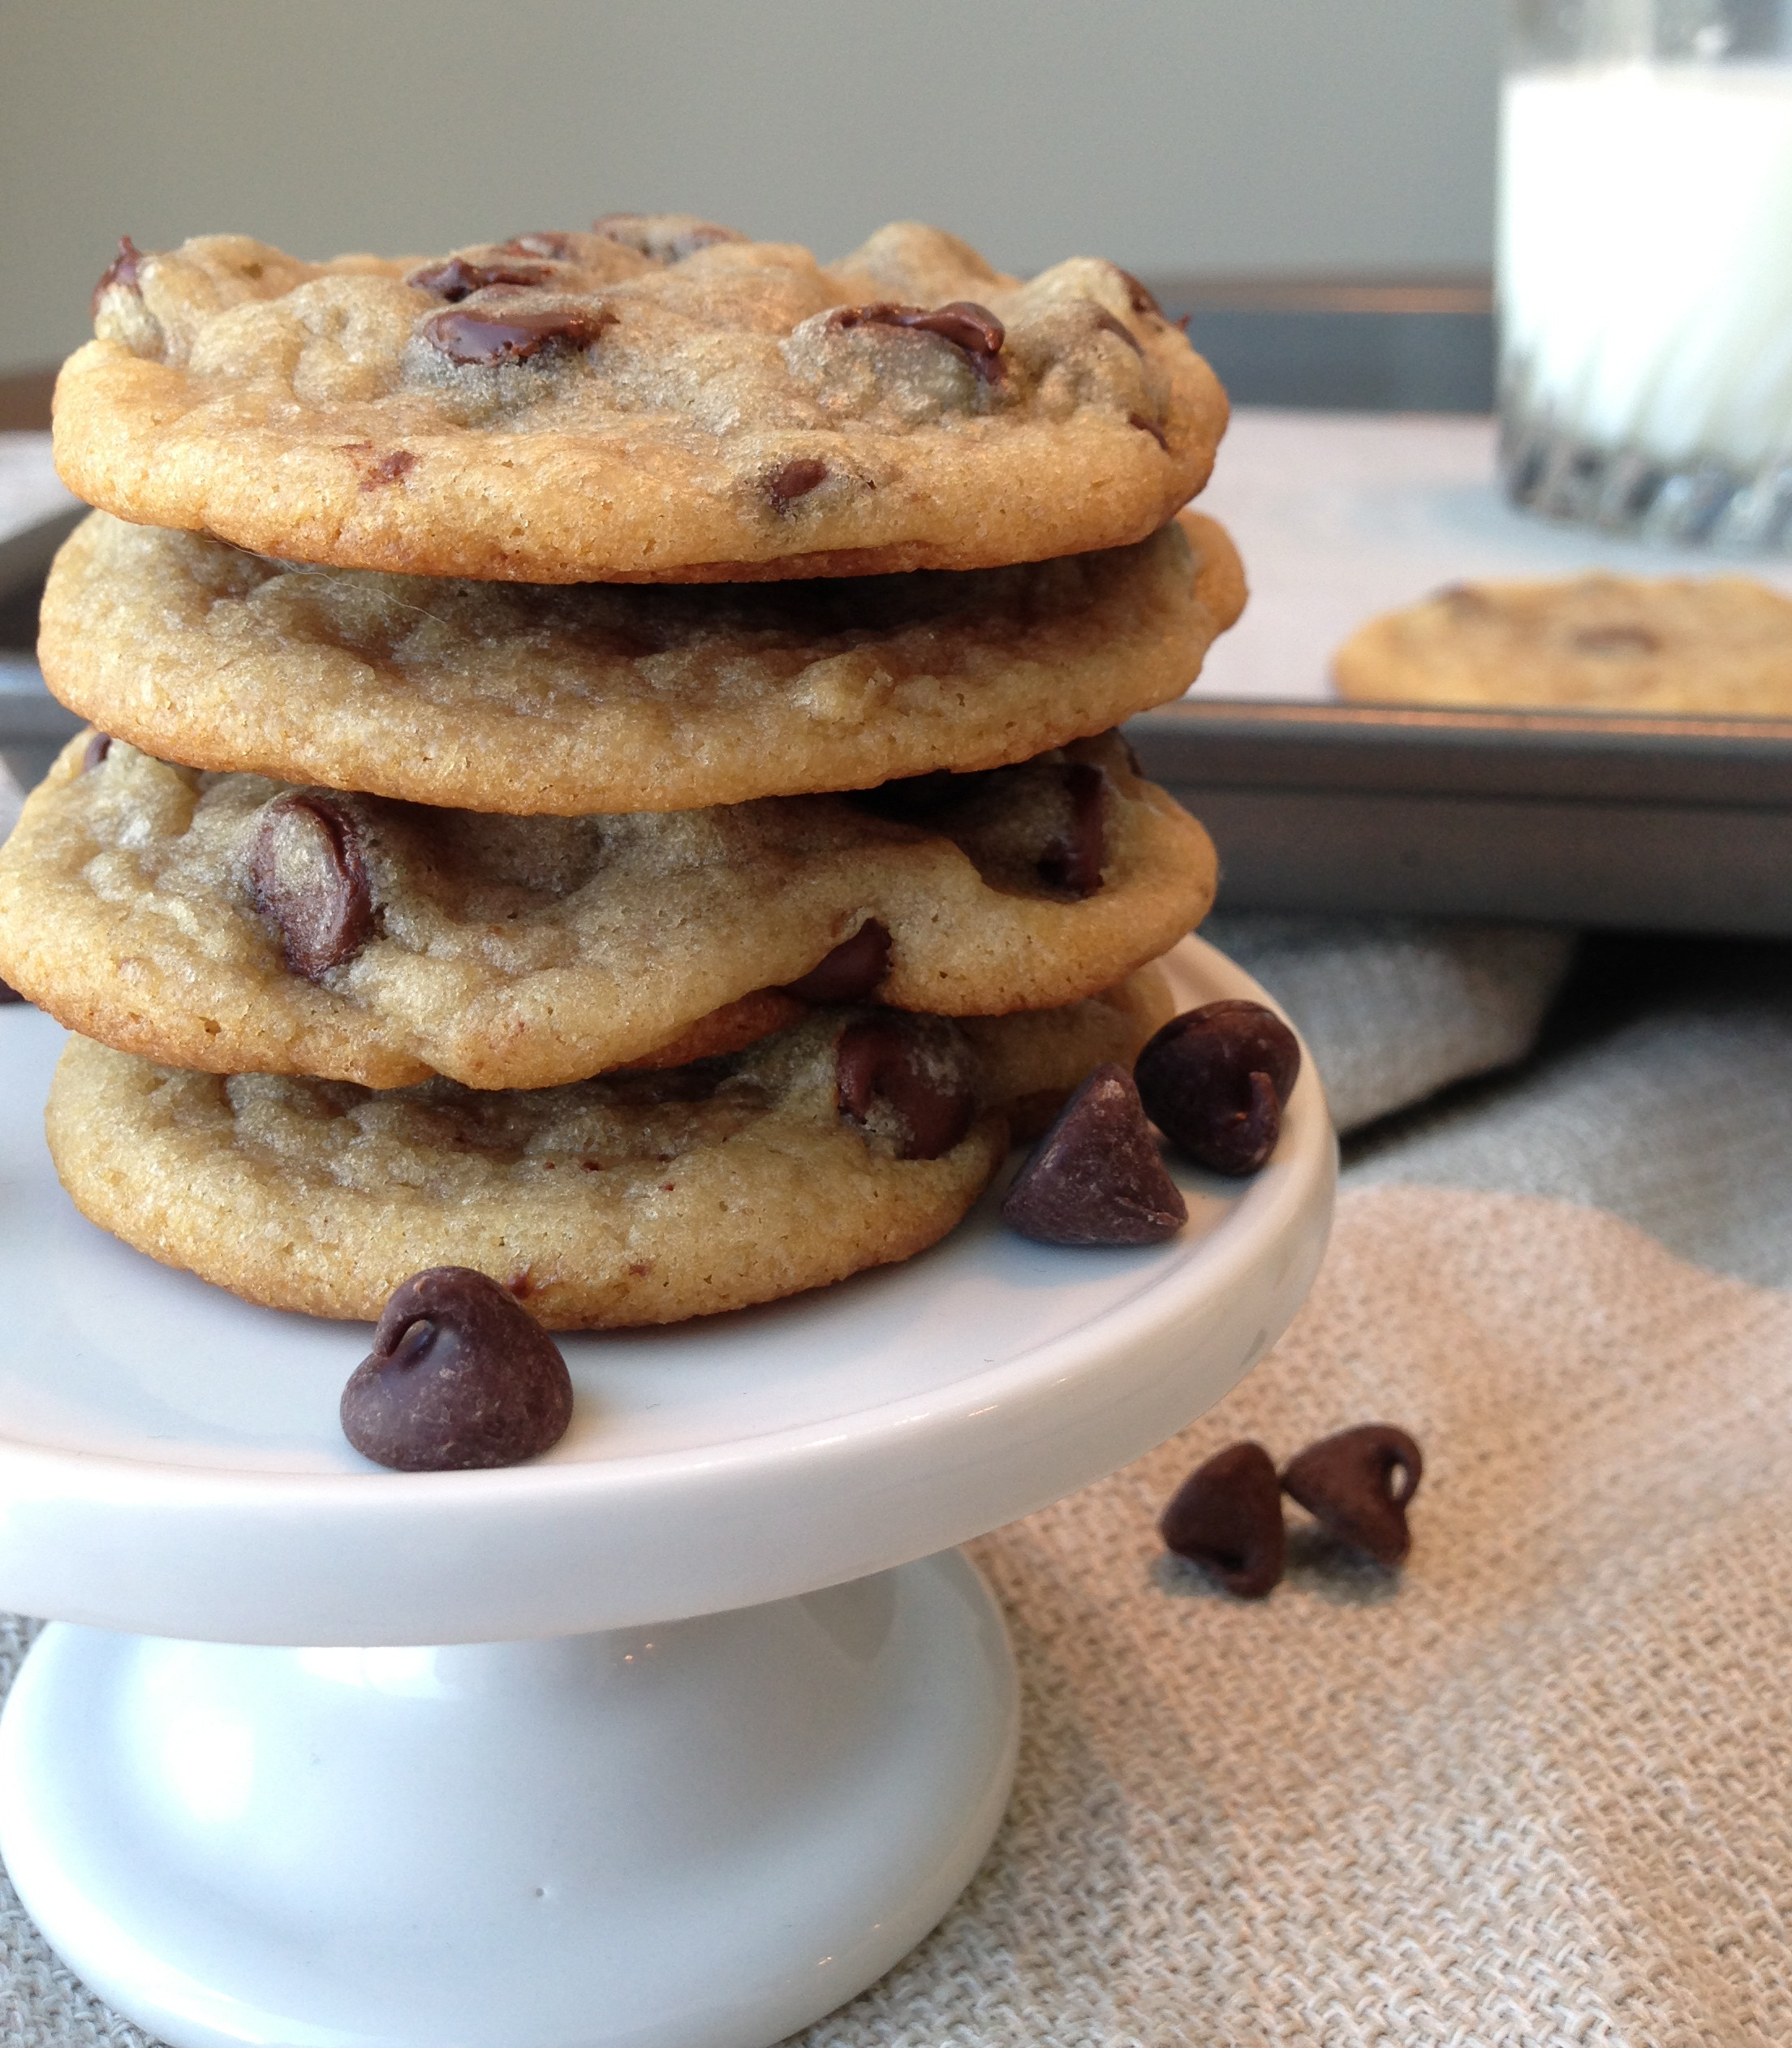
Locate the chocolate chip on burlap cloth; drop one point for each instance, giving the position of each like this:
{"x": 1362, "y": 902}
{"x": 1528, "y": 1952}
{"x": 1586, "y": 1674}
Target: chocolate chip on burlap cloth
{"x": 1531, "y": 1794}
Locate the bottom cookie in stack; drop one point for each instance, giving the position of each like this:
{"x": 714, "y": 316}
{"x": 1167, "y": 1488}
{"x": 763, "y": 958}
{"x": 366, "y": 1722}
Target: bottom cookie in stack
{"x": 853, "y": 1139}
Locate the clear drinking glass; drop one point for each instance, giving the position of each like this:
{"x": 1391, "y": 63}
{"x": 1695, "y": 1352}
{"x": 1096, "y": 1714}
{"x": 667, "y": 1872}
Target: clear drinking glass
{"x": 1645, "y": 266}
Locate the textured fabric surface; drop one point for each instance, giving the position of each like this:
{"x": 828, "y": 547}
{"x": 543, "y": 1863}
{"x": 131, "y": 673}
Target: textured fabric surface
{"x": 1662, "y": 1093}
{"x": 1531, "y": 1793}
{"x": 1534, "y": 1791}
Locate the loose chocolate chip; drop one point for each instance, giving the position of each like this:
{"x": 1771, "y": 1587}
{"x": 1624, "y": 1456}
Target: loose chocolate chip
{"x": 96, "y": 751}
{"x": 1226, "y": 1517}
{"x": 307, "y": 875}
{"x": 795, "y": 479}
{"x": 1073, "y": 857}
{"x": 1096, "y": 1176}
{"x": 121, "y": 270}
{"x": 1617, "y": 640}
{"x": 1214, "y": 1080}
{"x": 908, "y": 1079}
{"x": 511, "y": 333}
{"x": 9, "y": 993}
{"x": 456, "y": 279}
{"x": 1149, "y": 426}
{"x": 851, "y": 970}
{"x": 1348, "y": 1482}
{"x": 460, "y": 1378}
{"x": 965, "y": 324}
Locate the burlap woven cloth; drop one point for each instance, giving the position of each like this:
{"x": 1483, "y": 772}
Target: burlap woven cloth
{"x": 1532, "y": 1790}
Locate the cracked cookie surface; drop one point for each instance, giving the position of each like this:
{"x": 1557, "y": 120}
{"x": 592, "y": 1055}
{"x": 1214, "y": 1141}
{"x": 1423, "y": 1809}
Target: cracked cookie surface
{"x": 640, "y": 403}
{"x": 606, "y": 697}
{"x": 233, "y": 924}
{"x": 627, "y": 1200}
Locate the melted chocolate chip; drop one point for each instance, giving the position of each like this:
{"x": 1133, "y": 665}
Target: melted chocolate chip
{"x": 1214, "y": 1080}
{"x": 795, "y": 479}
{"x": 122, "y": 271}
{"x": 553, "y": 244}
{"x": 510, "y": 333}
{"x": 1226, "y": 1517}
{"x": 389, "y": 468}
{"x": 851, "y": 970}
{"x": 1616, "y": 640}
{"x": 1106, "y": 324}
{"x": 1072, "y": 859}
{"x": 456, "y": 279}
{"x": 1096, "y": 1176}
{"x": 1149, "y": 426}
{"x": 1141, "y": 298}
{"x": 307, "y": 875}
{"x": 965, "y": 324}
{"x": 96, "y": 751}
{"x": 907, "y": 1078}
{"x": 460, "y": 1378}
{"x": 913, "y": 799}
{"x": 653, "y": 235}
{"x": 1358, "y": 1486}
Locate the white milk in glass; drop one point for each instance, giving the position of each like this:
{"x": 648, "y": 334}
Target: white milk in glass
{"x": 1646, "y": 258}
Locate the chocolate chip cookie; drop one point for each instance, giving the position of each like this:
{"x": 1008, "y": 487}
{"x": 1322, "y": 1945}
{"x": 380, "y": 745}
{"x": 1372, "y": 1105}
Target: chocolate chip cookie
{"x": 650, "y": 401}
{"x": 603, "y": 697}
{"x": 1721, "y": 645}
{"x": 232, "y": 924}
{"x": 856, "y": 1139}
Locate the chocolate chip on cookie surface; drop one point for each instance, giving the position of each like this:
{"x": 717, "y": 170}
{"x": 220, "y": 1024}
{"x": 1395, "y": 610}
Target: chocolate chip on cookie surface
{"x": 655, "y": 402}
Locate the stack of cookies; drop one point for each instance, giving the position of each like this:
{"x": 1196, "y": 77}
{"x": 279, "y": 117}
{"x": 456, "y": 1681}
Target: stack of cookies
{"x": 603, "y": 767}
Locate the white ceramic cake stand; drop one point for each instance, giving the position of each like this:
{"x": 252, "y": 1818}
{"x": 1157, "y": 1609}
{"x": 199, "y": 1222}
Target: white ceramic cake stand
{"x": 722, "y": 1725}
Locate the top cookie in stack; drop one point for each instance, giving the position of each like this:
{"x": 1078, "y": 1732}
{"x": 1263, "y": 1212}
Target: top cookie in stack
{"x": 407, "y": 790}
{"x": 659, "y": 400}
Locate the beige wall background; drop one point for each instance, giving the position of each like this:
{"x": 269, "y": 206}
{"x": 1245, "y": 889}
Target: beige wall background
{"x": 1221, "y": 137}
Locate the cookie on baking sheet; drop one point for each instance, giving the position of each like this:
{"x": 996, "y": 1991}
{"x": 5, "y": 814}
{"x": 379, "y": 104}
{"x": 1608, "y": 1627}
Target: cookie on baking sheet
{"x": 1721, "y": 645}
{"x": 234, "y": 923}
{"x": 854, "y": 1139}
{"x": 604, "y": 697}
{"x": 636, "y": 404}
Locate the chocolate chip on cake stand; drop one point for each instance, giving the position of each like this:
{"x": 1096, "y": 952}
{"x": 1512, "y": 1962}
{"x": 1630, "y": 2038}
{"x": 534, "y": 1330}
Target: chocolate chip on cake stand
{"x": 461, "y": 1377}
{"x": 1214, "y": 1081}
{"x": 572, "y": 1820}
{"x": 1096, "y": 1176}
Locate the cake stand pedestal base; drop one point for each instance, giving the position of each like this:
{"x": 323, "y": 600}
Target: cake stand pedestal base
{"x": 704, "y": 1836}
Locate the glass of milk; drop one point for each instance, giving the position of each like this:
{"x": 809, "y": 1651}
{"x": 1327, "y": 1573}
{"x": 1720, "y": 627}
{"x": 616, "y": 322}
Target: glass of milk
{"x": 1645, "y": 266}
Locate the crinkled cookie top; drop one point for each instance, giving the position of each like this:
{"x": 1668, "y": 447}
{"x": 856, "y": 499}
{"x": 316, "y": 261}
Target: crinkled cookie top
{"x": 657, "y": 399}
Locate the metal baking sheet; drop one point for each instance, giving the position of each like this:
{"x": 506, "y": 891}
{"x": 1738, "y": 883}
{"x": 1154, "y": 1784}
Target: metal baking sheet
{"x": 1560, "y": 817}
